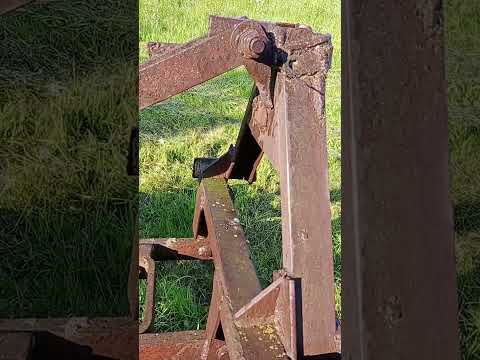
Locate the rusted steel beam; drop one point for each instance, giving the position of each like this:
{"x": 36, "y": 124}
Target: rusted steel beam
{"x": 115, "y": 338}
{"x": 151, "y": 250}
{"x": 262, "y": 307}
{"x": 246, "y": 43}
{"x": 277, "y": 307}
{"x": 399, "y": 298}
{"x": 196, "y": 63}
{"x": 209, "y": 167}
{"x": 151, "y": 340}
{"x": 179, "y": 345}
{"x": 259, "y": 131}
{"x": 222, "y": 23}
{"x": 161, "y": 249}
{"x": 241, "y": 161}
{"x": 264, "y": 128}
{"x": 236, "y": 283}
{"x": 231, "y": 256}
{"x": 306, "y": 226}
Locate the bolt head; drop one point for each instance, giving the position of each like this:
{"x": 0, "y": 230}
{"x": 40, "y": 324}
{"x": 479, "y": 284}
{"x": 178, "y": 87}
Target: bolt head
{"x": 258, "y": 45}
{"x": 252, "y": 44}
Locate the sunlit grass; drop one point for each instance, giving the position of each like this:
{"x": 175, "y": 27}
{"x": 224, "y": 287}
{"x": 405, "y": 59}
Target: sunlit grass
{"x": 67, "y": 207}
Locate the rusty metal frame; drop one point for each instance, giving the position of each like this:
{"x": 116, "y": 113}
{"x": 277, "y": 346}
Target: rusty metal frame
{"x": 294, "y": 317}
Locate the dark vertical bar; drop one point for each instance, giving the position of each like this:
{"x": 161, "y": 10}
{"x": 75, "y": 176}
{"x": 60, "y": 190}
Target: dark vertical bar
{"x": 398, "y": 286}
{"x": 306, "y": 228}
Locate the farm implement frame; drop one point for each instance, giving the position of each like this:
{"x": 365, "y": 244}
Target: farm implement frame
{"x": 294, "y": 317}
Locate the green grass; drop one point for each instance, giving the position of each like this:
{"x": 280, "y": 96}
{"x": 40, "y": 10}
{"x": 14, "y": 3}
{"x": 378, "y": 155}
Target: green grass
{"x": 204, "y": 122}
{"x": 67, "y": 103}
{"x": 463, "y": 74}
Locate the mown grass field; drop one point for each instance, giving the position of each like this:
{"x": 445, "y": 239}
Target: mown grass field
{"x": 67, "y": 207}
{"x": 205, "y": 120}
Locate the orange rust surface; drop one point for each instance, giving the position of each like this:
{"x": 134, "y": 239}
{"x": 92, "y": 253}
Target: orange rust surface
{"x": 171, "y": 351}
{"x": 178, "y": 345}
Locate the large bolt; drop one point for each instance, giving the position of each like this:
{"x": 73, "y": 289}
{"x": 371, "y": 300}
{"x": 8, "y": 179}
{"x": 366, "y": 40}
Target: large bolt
{"x": 251, "y": 44}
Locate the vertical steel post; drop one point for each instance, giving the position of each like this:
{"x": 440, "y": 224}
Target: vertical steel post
{"x": 306, "y": 217}
{"x": 399, "y": 297}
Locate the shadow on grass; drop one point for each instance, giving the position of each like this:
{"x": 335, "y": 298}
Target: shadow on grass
{"x": 220, "y": 101}
{"x": 467, "y": 217}
{"x": 469, "y": 310}
{"x": 79, "y": 38}
{"x": 335, "y": 195}
{"x": 65, "y": 262}
{"x": 467, "y": 228}
{"x": 173, "y": 119}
